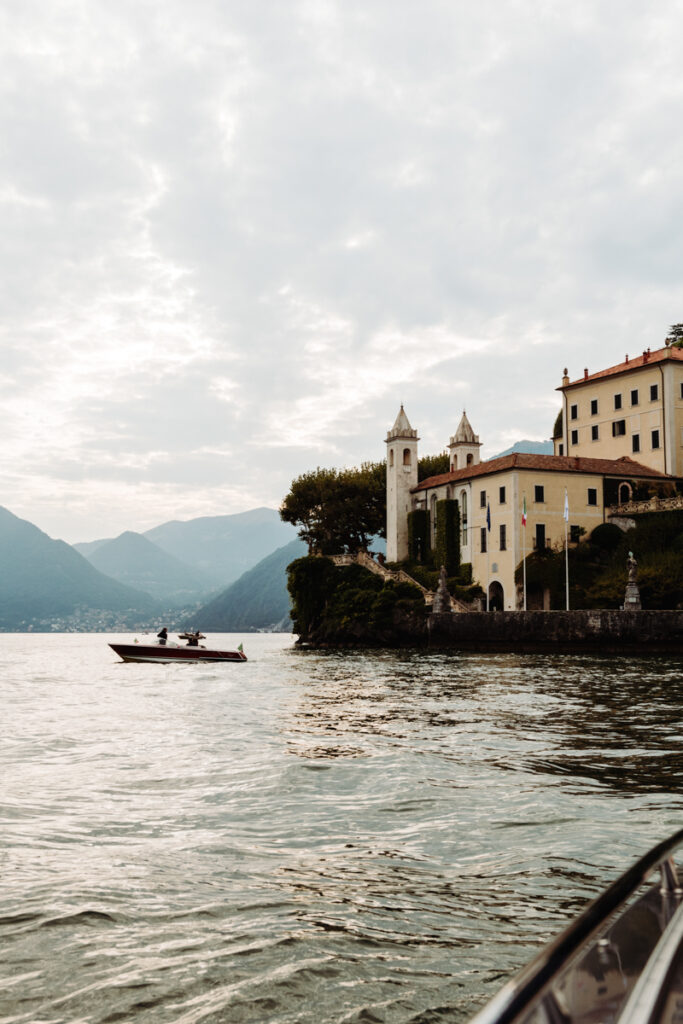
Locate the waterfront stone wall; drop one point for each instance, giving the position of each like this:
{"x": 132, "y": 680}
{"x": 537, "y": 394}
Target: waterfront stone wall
{"x": 567, "y": 631}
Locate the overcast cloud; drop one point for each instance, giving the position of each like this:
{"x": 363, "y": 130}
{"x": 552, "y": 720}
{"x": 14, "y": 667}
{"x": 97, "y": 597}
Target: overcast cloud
{"x": 236, "y": 235}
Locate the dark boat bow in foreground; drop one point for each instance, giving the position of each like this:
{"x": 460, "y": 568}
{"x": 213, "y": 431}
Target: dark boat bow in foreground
{"x": 621, "y": 960}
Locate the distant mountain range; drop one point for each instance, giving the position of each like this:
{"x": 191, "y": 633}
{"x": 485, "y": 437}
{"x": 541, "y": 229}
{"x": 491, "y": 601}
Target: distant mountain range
{"x": 258, "y": 600}
{"x": 217, "y": 548}
{"x": 134, "y": 560}
{"x": 45, "y": 584}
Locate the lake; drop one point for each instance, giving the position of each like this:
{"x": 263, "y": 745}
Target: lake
{"x": 316, "y": 837}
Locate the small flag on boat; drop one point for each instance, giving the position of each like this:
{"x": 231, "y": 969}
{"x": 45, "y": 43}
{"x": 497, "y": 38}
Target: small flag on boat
{"x": 240, "y": 649}
{"x": 566, "y": 506}
{"x": 524, "y": 512}
{"x": 488, "y": 517}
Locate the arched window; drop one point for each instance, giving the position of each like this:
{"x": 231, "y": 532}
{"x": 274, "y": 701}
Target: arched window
{"x": 391, "y": 456}
{"x": 454, "y": 463}
{"x": 470, "y": 459}
{"x": 406, "y": 456}
{"x": 625, "y": 493}
{"x": 463, "y": 516}
{"x": 432, "y": 509}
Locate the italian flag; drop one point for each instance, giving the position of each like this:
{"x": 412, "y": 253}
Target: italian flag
{"x": 524, "y": 512}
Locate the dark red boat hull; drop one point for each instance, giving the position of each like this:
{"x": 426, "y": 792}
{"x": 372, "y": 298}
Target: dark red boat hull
{"x": 166, "y": 654}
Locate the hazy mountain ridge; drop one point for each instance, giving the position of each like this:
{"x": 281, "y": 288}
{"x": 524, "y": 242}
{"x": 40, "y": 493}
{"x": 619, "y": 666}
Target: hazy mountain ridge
{"x": 257, "y": 600}
{"x": 43, "y": 581}
{"x": 224, "y": 547}
{"x": 134, "y": 560}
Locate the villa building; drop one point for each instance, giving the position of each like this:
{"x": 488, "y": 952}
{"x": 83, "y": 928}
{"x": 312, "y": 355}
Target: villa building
{"x": 605, "y": 465}
{"x": 634, "y": 408}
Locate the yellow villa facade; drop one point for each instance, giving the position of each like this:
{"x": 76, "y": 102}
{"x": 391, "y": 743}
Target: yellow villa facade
{"x": 634, "y": 408}
{"x": 622, "y": 432}
{"x": 498, "y": 489}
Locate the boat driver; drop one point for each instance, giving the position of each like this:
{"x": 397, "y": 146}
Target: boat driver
{"x": 162, "y": 636}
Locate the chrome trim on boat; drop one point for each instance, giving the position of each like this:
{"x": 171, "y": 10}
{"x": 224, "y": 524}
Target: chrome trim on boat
{"x": 533, "y": 986}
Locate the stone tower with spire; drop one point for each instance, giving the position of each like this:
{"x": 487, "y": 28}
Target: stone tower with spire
{"x": 401, "y": 477}
{"x": 464, "y": 446}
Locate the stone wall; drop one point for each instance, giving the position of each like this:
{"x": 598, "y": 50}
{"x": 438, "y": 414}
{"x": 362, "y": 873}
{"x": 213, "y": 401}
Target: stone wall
{"x": 643, "y": 632}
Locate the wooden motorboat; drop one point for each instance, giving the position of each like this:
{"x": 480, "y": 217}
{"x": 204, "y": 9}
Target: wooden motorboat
{"x": 620, "y": 962}
{"x": 172, "y": 652}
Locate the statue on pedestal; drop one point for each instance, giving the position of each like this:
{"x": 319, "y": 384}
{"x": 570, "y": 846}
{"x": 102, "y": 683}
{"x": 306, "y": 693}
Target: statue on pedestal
{"x": 632, "y": 596}
{"x": 442, "y": 598}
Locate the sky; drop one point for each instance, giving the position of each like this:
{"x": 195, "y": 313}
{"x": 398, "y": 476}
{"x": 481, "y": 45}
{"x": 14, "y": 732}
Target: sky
{"x": 236, "y": 235}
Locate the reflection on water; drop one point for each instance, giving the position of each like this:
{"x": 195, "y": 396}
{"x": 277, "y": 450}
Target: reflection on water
{"x": 312, "y": 837}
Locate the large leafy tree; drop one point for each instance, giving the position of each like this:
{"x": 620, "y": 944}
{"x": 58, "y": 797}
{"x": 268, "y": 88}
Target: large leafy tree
{"x": 342, "y": 510}
{"x": 338, "y": 510}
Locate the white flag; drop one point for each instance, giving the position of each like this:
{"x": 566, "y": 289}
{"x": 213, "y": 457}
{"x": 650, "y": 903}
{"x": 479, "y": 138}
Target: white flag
{"x": 566, "y": 506}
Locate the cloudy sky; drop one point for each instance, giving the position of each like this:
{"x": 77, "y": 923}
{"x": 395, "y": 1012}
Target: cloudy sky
{"x": 235, "y": 235}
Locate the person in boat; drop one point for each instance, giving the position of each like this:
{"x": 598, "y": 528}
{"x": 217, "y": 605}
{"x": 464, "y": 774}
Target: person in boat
{"x": 162, "y": 636}
{"x": 192, "y": 638}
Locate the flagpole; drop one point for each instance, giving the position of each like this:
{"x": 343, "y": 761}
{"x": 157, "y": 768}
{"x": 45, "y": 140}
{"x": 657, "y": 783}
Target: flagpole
{"x": 488, "y": 553}
{"x": 524, "y": 551}
{"x": 566, "y": 545}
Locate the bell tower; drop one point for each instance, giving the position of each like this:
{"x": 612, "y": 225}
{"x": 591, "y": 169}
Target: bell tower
{"x": 401, "y": 478}
{"x": 464, "y": 446}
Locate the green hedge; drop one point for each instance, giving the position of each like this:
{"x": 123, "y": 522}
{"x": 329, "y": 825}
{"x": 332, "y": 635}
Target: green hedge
{"x": 419, "y": 549}
{"x": 447, "y": 546}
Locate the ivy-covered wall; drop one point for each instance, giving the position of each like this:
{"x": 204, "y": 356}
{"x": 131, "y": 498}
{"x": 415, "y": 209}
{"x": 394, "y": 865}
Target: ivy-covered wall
{"x": 447, "y": 546}
{"x": 419, "y": 548}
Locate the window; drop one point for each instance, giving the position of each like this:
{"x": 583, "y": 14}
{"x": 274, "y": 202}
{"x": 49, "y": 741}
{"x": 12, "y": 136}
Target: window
{"x": 654, "y": 392}
{"x": 617, "y": 401}
{"x": 592, "y": 495}
{"x": 503, "y": 538}
{"x": 483, "y": 540}
{"x": 539, "y": 539}
{"x": 574, "y": 412}
{"x": 618, "y": 428}
{"x": 681, "y": 389}
{"x": 594, "y": 407}
{"x": 634, "y": 396}
{"x": 561, "y": 450}
{"x": 539, "y": 493}
{"x": 463, "y": 512}
{"x": 482, "y": 499}
{"x": 501, "y": 495}
{"x": 575, "y": 534}
{"x": 595, "y": 432}
{"x": 406, "y": 456}
{"x": 655, "y": 439}
{"x": 635, "y": 443}
{"x": 391, "y": 457}
{"x": 575, "y": 437}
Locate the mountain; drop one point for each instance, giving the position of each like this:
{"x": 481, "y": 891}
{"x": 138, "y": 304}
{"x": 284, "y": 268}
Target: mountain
{"x": 528, "y": 448}
{"x": 223, "y": 547}
{"x": 45, "y": 583}
{"x": 134, "y": 560}
{"x": 258, "y": 600}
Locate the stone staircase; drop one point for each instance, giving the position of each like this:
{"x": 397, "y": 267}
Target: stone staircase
{"x": 397, "y": 575}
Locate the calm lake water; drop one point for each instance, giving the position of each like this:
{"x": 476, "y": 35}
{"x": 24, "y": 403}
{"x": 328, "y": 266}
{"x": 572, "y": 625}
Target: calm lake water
{"x": 312, "y": 837}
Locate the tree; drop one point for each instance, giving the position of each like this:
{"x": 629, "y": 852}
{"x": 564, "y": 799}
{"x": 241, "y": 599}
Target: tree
{"x": 342, "y": 510}
{"x": 432, "y": 465}
{"x": 338, "y": 510}
{"x": 557, "y": 429}
{"x": 676, "y": 335}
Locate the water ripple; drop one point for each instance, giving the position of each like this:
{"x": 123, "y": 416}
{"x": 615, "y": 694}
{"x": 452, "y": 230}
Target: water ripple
{"x": 312, "y": 836}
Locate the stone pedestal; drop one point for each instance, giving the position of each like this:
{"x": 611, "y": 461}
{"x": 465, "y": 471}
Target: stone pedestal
{"x": 632, "y": 598}
{"x": 442, "y": 598}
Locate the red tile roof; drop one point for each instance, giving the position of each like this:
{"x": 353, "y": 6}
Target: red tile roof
{"x": 548, "y": 464}
{"x": 659, "y": 356}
